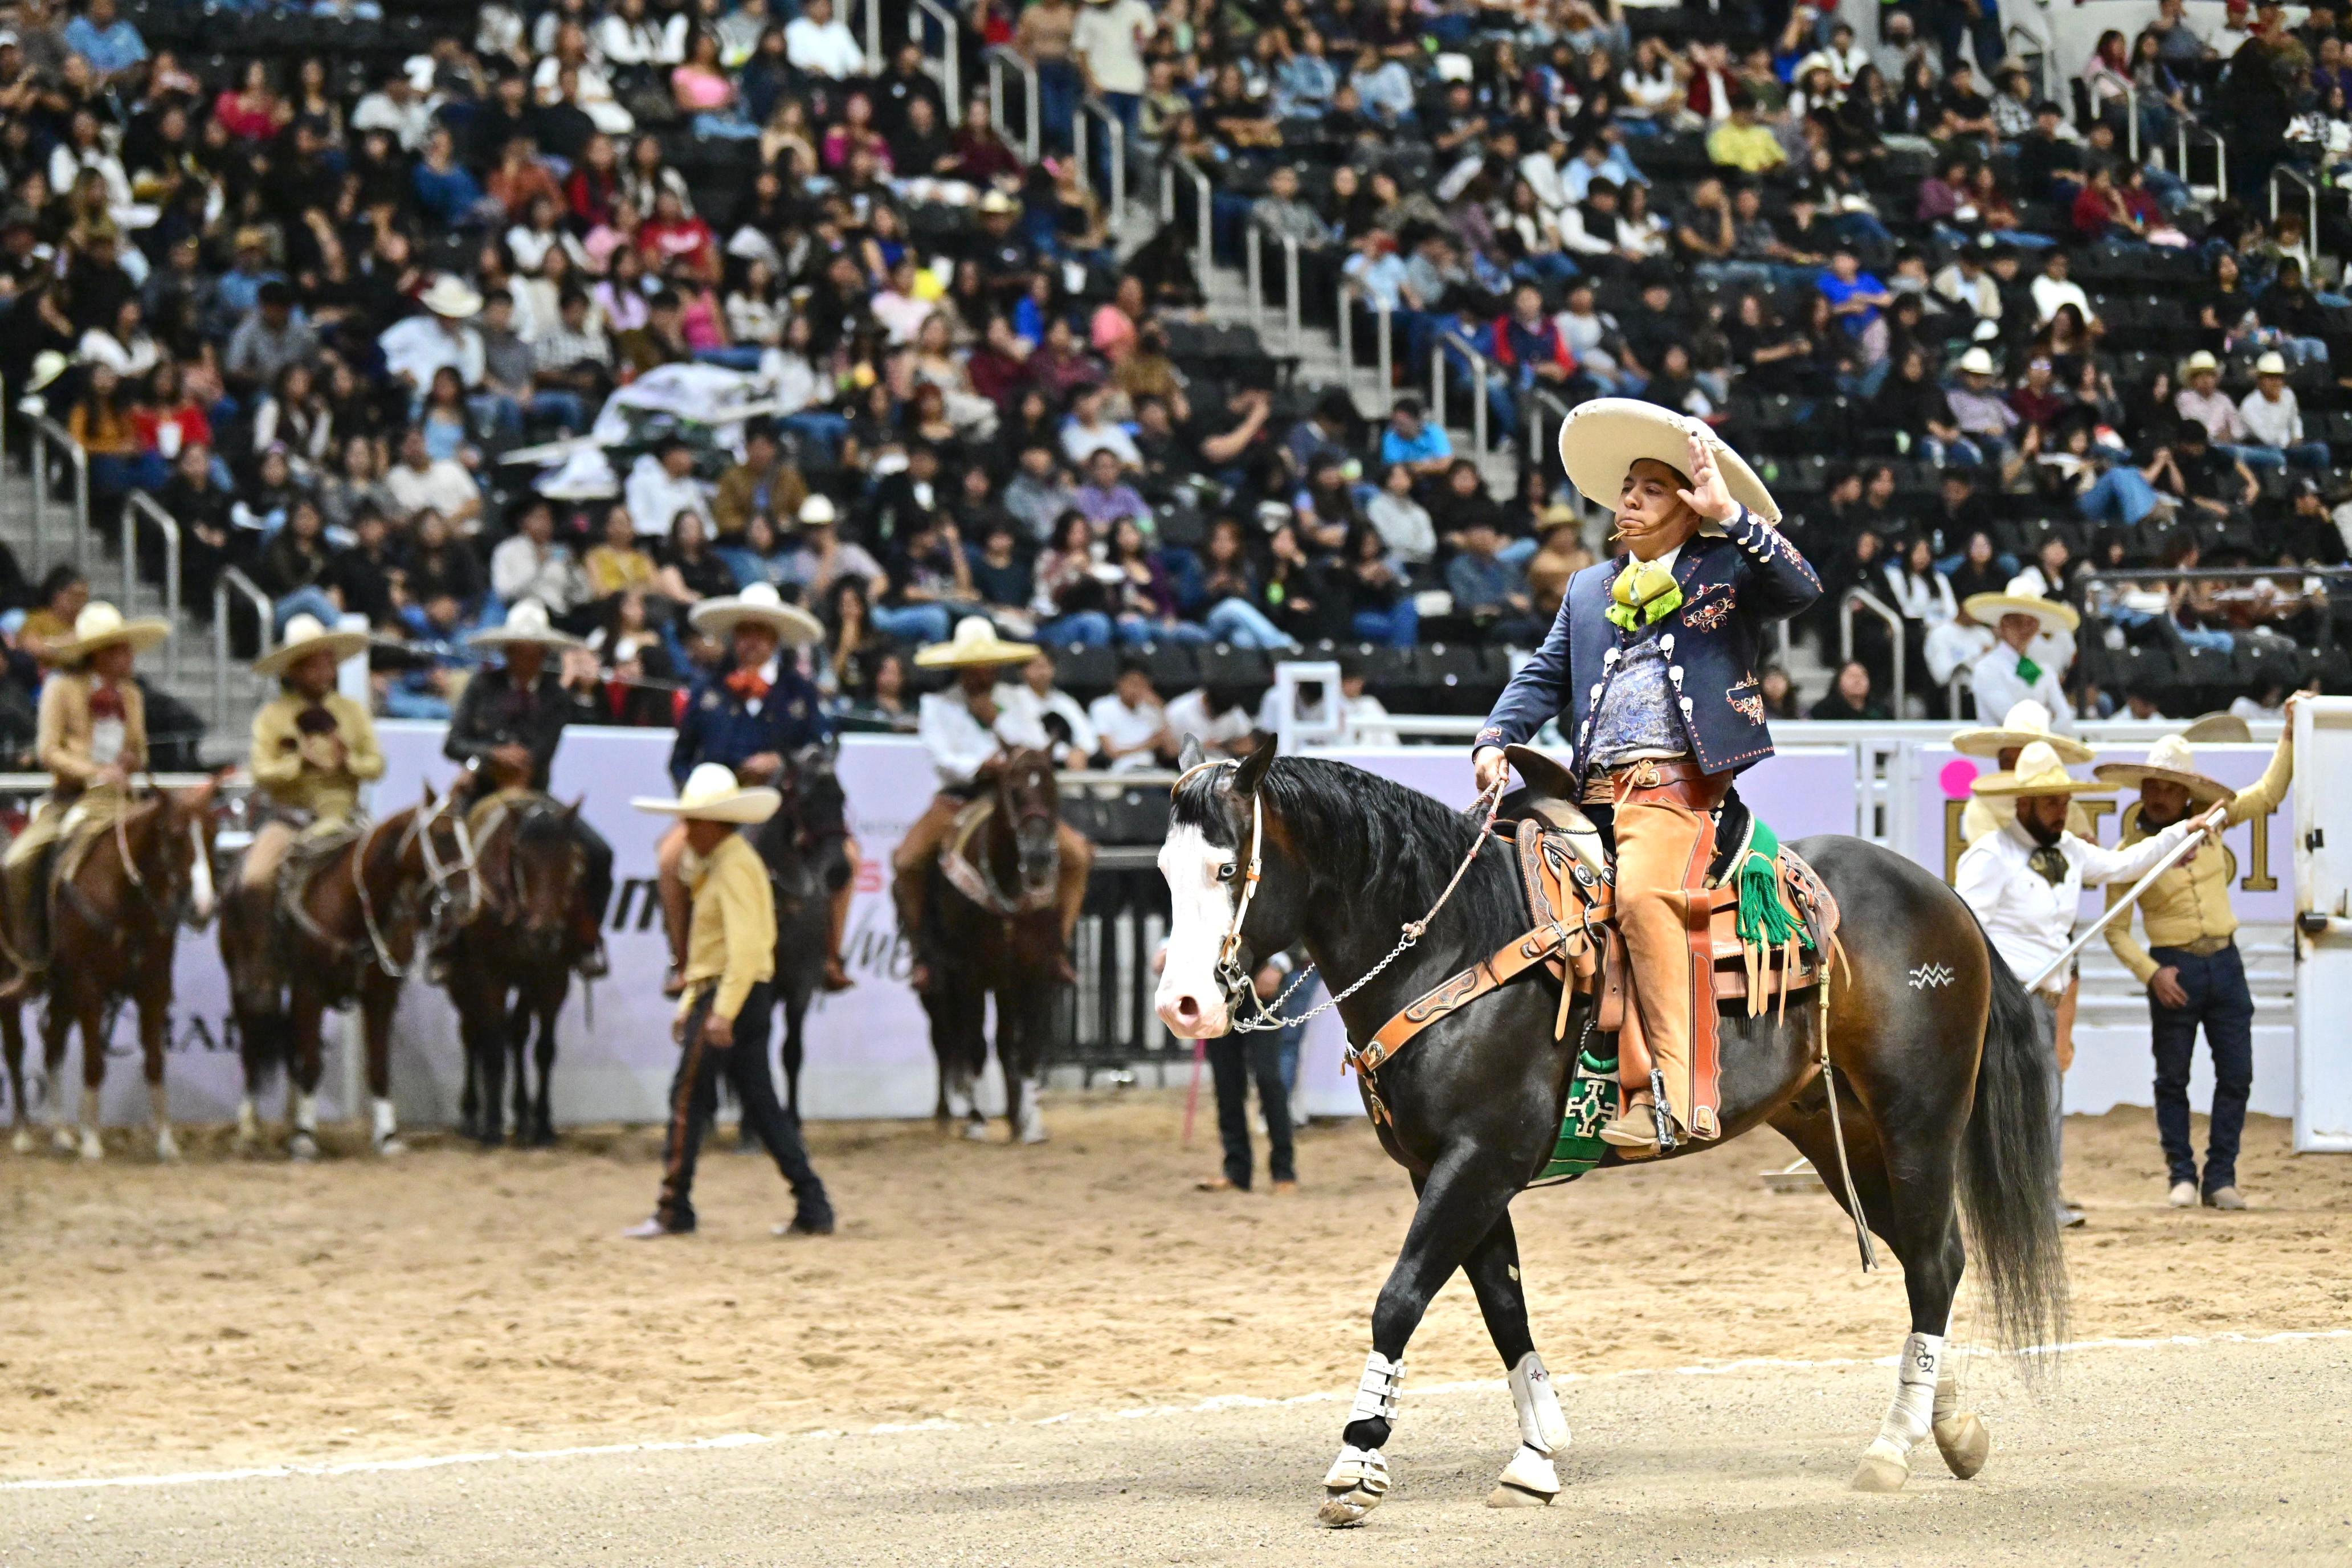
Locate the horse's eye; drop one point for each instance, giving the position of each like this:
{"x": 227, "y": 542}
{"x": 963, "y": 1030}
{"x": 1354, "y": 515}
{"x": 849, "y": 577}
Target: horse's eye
{"x": 1226, "y": 872}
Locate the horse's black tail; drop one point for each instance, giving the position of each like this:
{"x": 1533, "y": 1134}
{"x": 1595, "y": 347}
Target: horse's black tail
{"x": 2008, "y": 1170}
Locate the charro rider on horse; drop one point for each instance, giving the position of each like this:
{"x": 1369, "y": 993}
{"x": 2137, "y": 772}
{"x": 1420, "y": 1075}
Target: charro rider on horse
{"x": 967, "y": 726}
{"x": 752, "y": 713}
{"x": 1650, "y": 668}
{"x": 508, "y": 722}
{"x": 312, "y": 747}
{"x": 92, "y": 736}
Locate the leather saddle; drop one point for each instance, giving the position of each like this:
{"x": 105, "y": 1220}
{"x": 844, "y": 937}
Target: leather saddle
{"x": 1567, "y": 875}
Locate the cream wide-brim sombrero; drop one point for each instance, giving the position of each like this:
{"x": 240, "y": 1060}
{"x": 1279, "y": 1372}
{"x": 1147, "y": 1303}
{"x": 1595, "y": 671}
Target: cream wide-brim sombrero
{"x": 1987, "y": 609}
{"x": 100, "y": 624}
{"x": 526, "y": 623}
{"x": 2218, "y": 730}
{"x": 975, "y": 643}
{"x": 2024, "y": 724}
{"x": 761, "y": 604}
{"x": 307, "y": 634}
{"x": 2170, "y": 760}
{"x": 711, "y": 794}
{"x": 1601, "y": 439}
{"x": 2037, "y": 772}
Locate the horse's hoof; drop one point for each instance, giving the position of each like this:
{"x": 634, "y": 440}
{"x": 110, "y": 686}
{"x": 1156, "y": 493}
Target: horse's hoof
{"x": 303, "y": 1147}
{"x": 1505, "y": 1495}
{"x": 1877, "y": 1473}
{"x": 1032, "y": 1130}
{"x": 1966, "y": 1443}
{"x": 22, "y": 1143}
{"x": 91, "y": 1149}
{"x": 543, "y": 1138}
{"x": 61, "y": 1141}
{"x": 167, "y": 1148}
{"x": 391, "y": 1147}
{"x": 1345, "y": 1511}
{"x": 977, "y": 1131}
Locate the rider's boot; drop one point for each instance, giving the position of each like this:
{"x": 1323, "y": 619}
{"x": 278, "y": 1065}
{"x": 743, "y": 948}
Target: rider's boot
{"x": 1077, "y": 863}
{"x": 21, "y": 884}
{"x": 906, "y": 888}
{"x": 836, "y": 972}
{"x": 1635, "y": 1134}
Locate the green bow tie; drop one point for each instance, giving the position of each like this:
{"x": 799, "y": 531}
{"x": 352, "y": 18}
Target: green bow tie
{"x": 1644, "y": 593}
{"x": 2027, "y": 671}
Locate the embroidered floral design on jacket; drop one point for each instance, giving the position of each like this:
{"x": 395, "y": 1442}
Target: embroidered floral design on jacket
{"x": 1746, "y": 701}
{"x": 1707, "y": 612}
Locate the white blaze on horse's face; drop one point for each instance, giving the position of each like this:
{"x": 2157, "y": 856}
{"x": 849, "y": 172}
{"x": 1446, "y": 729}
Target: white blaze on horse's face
{"x": 201, "y": 868}
{"x": 1200, "y": 883}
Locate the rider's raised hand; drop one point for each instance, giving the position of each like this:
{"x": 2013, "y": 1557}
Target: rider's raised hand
{"x": 1487, "y": 766}
{"x": 1707, "y": 496}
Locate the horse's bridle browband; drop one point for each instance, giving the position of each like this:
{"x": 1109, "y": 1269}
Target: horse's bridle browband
{"x": 438, "y": 875}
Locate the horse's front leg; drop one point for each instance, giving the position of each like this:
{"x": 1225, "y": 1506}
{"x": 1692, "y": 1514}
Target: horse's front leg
{"x": 1464, "y": 1194}
{"x": 57, "y": 1022}
{"x": 305, "y": 1016}
{"x": 1493, "y": 1267}
{"x": 379, "y": 997}
{"x": 154, "y": 1017}
{"x": 88, "y": 1015}
{"x": 542, "y": 1115}
{"x": 12, "y": 1047}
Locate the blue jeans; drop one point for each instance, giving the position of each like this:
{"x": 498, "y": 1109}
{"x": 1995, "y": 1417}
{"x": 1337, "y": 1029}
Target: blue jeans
{"x": 1087, "y": 628}
{"x": 911, "y": 623}
{"x": 740, "y": 357}
{"x": 2120, "y": 490}
{"x": 724, "y": 127}
{"x": 2263, "y": 457}
{"x": 1243, "y": 625}
{"x": 2218, "y": 1000}
{"x": 564, "y": 408}
{"x": 821, "y": 430}
{"x": 1058, "y": 89}
{"x": 401, "y": 702}
{"x": 2302, "y": 454}
{"x": 1963, "y": 450}
{"x": 1399, "y": 626}
{"x": 1135, "y": 630}
{"x": 310, "y": 600}
{"x": 2025, "y": 239}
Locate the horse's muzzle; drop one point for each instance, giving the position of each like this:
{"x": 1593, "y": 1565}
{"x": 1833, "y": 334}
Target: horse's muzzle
{"x": 1192, "y": 1014}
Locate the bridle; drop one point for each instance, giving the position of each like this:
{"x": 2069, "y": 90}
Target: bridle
{"x": 1237, "y": 983}
{"x": 439, "y": 874}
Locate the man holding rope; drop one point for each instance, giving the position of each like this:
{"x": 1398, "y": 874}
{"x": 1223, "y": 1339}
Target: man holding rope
{"x": 2025, "y": 881}
{"x": 2191, "y": 965}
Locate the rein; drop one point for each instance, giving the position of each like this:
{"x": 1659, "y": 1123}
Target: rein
{"x": 439, "y": 875}
{"x": 1268, "y": 1016}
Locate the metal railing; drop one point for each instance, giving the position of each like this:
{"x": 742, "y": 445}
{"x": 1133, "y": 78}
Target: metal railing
{"x": 48, "y": 436}
{"x": 136, "y": 505}
{"x": 1292, "y": 326}
{"x": 2183, "y": 130}
{"x": 1205, "y": 257}
{"x": 875, "y": 63}
{"x": 1115, "y": 134}
{"x": 1878, "y": 607}
{"x": 1383, "y": 341}
{"x": 1000, "y": 59}
{"x": 948, "y": 70}
{"x": 232, "y": 580}
{"x": 1481, "y": 370}
{"x": 2284, "y": 173}
{"x": 2039, "y": 51}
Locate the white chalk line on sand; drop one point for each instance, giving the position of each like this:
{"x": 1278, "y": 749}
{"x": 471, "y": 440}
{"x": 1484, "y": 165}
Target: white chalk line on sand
{"x": 1206, "y": 1407}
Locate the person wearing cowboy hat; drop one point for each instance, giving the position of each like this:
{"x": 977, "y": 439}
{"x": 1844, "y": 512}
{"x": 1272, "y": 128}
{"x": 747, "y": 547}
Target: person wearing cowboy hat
{"x": 2024, "y": 724}
{"x": 966, "y": 727}
{"x": 751, "y": 713}
{"x": 2025, "y": 881}
{"x": 2008, "y": 673}
{"x": 414, "y": 349}
{"x": 2274, "y": 420}
{"x": 312, "y": 746}
{"x": 1649, "y": 666}
{"x": 508, "y": 722}
{"x": 727, "y": 1004}
{"x": 2190, "y": 964}
{"x": 91, "y": 736}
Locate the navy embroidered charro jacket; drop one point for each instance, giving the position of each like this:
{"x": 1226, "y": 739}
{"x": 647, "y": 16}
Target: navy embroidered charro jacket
{"x": 1734, "y": 586}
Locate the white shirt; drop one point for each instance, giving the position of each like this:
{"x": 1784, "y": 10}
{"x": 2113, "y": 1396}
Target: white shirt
{"x": 408, "y": 122}
{"x": 959, "y": 743}
{"x": 654, "y": 498}
{"x": 1084, "y": 741}
{"x": 2272, "y": 424}
{"x": 2049, "y": 293}
{"x": 1189, "y": 715}
{"x": 1367, "y": 721}
{"x": 419, "y": 346}
{"x": 1999, "y": 688}
{"x": 829, "y": 50}
{"x": 1110, "y": 38}
{"x": 1080, "y": 442}
{"x": 1123, "y": 726}
{"x": 2029, "y": 917}
{"x": 443, "y": 485}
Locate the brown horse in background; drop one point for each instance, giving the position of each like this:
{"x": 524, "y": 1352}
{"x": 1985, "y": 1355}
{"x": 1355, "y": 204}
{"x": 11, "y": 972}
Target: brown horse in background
{"x": 358, "y": 915}
{"x": 998, "y": 933}
{"x": 123, "y": 891}
{"x": 536, "y": 921}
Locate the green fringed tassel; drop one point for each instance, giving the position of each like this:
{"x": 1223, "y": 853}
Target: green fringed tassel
{"x": 1765, "y": 921}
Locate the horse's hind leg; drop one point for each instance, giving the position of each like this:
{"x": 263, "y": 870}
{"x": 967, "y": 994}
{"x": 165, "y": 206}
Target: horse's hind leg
{"x": 379, "y": 994}
{"x": 518, "y": 1041}
{"x": 154, "y": 1015}
{"x": 55, "y": 1025}
{"x": 12, "y": 1046}
{"x": 304, "y": 1018}
{"x": 1493, "y": 1269}
{"x": 1467, "y": 1192}
{"x": 542, "y": 1115}
{"x": 91, "y": 1020}
{"x": 1020, "y": 1032}
{"x": 260, "y": 1038}
{"x": 1916, "y": 1216}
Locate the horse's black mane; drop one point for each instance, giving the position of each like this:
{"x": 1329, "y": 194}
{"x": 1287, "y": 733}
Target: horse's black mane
{"x": 1370, "y": 840}
{"x": 544, "y": 822}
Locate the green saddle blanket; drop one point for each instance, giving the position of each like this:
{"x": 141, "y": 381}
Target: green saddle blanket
{"x": 1591, "y": 1101}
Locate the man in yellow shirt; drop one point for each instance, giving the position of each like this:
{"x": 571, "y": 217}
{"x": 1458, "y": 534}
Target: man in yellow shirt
{"x": 1741, "y": 143}
{"x": 2191, "y": 965}
{"x": 312, "y": 746}
{"x": 724, "y": 1016}
{"x": 92, "y": 736}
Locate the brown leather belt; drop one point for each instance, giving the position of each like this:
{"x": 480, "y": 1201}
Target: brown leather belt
{"x": 1670, "y": 781}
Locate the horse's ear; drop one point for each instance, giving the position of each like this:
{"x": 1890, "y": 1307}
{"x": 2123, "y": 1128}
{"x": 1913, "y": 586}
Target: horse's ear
{"x": 572, "y": 811}
{"x": 1191, "y": 757}
{"x": 1253, "y": 766}
{"x": 429, "y": 796}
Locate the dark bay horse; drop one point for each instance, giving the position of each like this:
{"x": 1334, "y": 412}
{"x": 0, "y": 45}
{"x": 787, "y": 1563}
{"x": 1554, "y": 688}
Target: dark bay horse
{"x": 510, "y": 967}
{"x": 998, "y": 934}
{"x": 805, "y": 847}
{"x": 117, "y": 906}
{"x": 1940, "y": 1067}
{"x": 362, "y": 912}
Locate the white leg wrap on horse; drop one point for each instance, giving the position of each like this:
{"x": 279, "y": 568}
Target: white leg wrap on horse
{"x": 306, "y": 1113}
{"x": 1531, "y": 1470}
{"x": 1375, "y": 1393}
{"x": 1908, "y": 1419}
{"x": 1541, "y": 1425}
{"x": 1359, "y": 1469}
{"x": 386, "y": 1123}
{"x": 248, "y": 1119}
{"x": 88, "y": 1109}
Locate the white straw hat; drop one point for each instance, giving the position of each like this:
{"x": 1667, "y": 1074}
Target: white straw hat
{"x": 450, "y": 296}
{"x": 711, "y": 794}
{"x": 2037, "y": 772}
{"x": 2271, "y": 364}
{"x": 760, "y": 603}
{"x": 2170, "y": 760}
{"x": 100, "y": 624}
{"x": 307, "y": 634}
{"x": 1976, "y": 362}
{"x": 1987, "y": 609}
{"x": 975, "y": 643}
{"x": 2025, "y": 722}
{"x": 1601, "y": 439}
{"x": 526, "y": 623}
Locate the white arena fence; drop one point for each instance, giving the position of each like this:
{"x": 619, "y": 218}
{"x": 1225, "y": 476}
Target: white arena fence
{"x": 868, "y": 1049}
